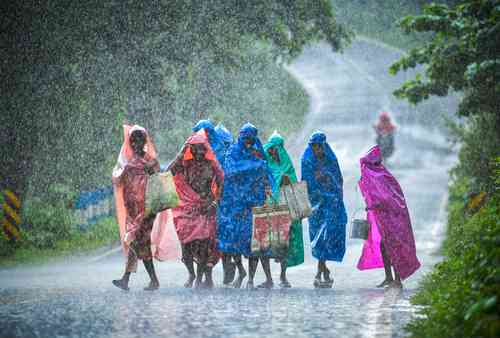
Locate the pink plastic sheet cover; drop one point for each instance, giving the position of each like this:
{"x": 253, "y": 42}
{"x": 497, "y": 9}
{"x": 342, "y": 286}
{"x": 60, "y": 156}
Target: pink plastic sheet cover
{"x": 190, "y": 222}
{"x": 163, "y": 246}
{"x": 164, "y": 242}
{"x": 388, "y": 213}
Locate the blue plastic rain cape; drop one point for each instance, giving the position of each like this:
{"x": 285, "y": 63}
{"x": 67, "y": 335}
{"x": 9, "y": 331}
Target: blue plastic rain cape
{"x": 216, "y": 143}
{"x": 327, "y": 223}
{"x": 224, "y": 134}
{"x": 245, "y": 176}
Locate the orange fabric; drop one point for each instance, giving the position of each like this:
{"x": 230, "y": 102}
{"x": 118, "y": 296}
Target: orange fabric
{"x": 200, "y": 137}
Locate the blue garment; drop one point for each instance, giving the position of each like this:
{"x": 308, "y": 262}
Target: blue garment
{"x": 327, "y": 223}
{"x": 213, "y": 138}
{"x": 224, "y": 134}
{"x": 245, "y": 178}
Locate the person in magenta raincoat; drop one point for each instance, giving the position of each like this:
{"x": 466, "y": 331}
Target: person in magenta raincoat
{"x": 390, "y": 240}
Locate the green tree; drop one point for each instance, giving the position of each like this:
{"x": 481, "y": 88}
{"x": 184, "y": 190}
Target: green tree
{"x": 89, "y": 63}
{"x": 463, "y": 55}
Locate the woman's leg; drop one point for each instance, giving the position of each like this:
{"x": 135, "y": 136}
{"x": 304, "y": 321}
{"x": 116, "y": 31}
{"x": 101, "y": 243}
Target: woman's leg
{"x": 317, "y": 278}
{"x": 130, "y": 266}
{"x": 326, "y": 274}
{"x": 266, "y": 265}
{"x": 397, "y": 283}
{"x": 228, "y": 267}
{"x": 284, "y": 281}
{"x": 150, "y": 268}
{"x": 201, "y": 249}
{"x": 387, "y": 267}
{"x": 187, "y": 259}
{"x": 252, "y": 268}
{"x": 241, "y": 271}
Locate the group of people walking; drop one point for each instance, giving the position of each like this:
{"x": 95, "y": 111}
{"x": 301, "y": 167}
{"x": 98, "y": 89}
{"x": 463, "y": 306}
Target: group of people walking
{"x": 219, "y": 182}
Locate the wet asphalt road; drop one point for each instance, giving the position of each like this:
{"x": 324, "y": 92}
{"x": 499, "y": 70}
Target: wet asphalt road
{"x": 76, "y": 298}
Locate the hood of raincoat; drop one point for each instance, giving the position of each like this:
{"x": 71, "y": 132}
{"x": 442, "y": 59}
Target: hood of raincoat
{"x": 126, "y": 151}
{"x": 240, "y": 158}
{"x": 329, "y": 164}
{"x": 224, "y": 134}
{"x": 213, "y": 138}
{"x": 284, "y": 167}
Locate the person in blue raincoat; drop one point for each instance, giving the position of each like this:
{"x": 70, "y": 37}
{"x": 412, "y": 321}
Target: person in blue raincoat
{"x": 327, "y": 223}
{"x": 214, "y": 140}
{"x": 247, "y": 184}
{"x": 229, "y": 261}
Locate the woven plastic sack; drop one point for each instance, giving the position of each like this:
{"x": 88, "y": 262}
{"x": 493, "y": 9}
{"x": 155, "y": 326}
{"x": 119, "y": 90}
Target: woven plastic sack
{"x": 271, "y": 229}
{"x": 160, "y": 194}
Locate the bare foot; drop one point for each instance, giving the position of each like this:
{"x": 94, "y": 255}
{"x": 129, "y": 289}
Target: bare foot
{"x": 120, "y": 283}
{"x": 395, "y": 284}
{"x": 190, "y": 281}
{"x": 198, "y": 283}
{"x": 317, "y": 280}
{"x": 285, "y": 284}
{"x": 266, "y": 285}
{"x": 237, "y": 283}
{"x": 385, "y": 283}
{"x": 152, "y": 286}
{"x": 326, "y": 276}
{"x": 229, "y": 273}
{"x": 208, "y": 284}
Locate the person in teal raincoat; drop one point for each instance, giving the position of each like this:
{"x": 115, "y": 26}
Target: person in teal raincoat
{"x": 284, "y": 174}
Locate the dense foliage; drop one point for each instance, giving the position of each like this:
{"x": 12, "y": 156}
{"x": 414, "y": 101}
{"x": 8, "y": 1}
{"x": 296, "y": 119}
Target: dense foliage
{"x": 378, "y": 19}
{"x": 462, "y": 295}
{"x": 74, "y": 71}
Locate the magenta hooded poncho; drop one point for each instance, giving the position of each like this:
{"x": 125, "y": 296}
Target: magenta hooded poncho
{"x": 388, "y": 218}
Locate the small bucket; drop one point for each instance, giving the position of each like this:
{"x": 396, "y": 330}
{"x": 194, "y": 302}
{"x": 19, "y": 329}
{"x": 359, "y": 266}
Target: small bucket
{"x": 359, "y": 228}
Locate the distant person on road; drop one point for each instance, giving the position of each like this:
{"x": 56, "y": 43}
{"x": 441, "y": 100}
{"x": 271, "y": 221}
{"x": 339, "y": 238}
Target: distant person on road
{"x": 385, "y": 130}
{"x": 390, "y": 240}
{"x": 137, "y": 160}
{"x": 199, "y": 179}
{"x": 247, "y": 184}
{"x": 327, "y": 223}
{"x": 284, "y": 174}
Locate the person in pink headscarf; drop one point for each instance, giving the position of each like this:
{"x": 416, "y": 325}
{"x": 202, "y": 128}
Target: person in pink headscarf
{"x": 390, "y": 240}
{"x": 198, "y": 179}
{"x": 385, "y": 130}
{"x": 137, "y": 160}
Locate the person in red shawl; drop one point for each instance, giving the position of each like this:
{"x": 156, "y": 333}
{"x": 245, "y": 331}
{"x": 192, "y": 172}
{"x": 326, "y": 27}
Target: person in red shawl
{"x": 385, "y": 134}
{"x": 137, "y": 160}
{"x": 198, "y": 179}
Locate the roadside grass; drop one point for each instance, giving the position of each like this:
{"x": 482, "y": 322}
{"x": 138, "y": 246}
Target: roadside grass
{"x": 101, "y": 234}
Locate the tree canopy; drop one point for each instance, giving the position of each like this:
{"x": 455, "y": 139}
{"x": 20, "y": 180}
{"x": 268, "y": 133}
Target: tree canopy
{"x": 163, "y": 63}
{"x": 463, "y": 55}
